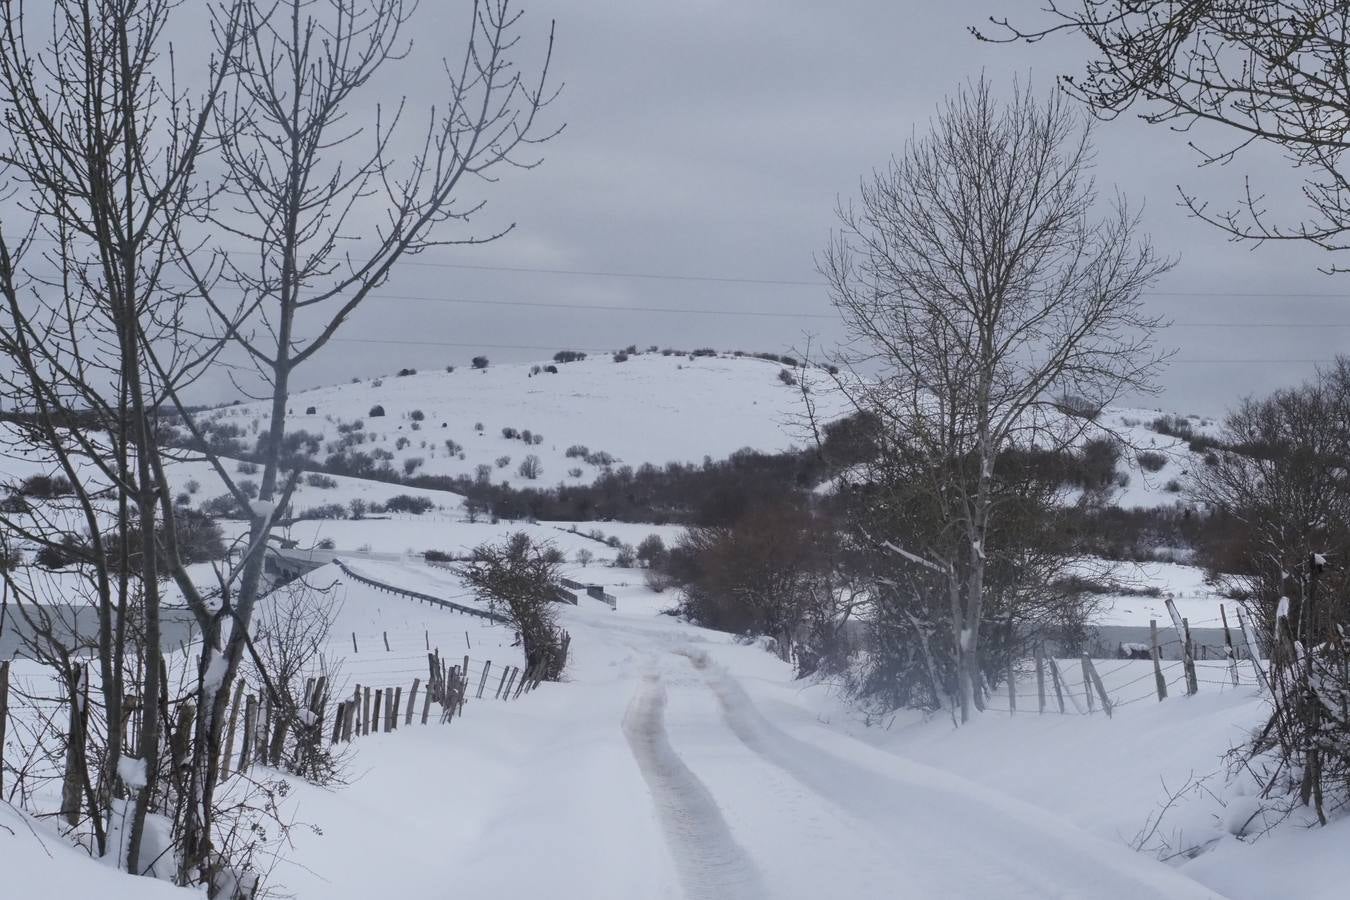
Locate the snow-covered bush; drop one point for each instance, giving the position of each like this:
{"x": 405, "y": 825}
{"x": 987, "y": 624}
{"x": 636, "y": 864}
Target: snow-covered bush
{"x": 519, "y": 578}
{"x": 1151, "y": 460}
{"x": 530, "y": 467}
{"x": 406, "y": 503}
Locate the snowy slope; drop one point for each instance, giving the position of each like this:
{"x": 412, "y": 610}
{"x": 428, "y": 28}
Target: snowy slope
{"x": 650, "y": 409}
{"x": 1153, "y": 488}
{"x": 675, "y": 762}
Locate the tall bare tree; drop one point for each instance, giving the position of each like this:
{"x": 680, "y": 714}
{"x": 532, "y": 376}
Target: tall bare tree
{"x": 978, "y": 285}
{"x": 106, "y": 152}
{"x": 102, "y": 144}
{"x": 326, "y": 205}
{"x": 1279, "y": 484}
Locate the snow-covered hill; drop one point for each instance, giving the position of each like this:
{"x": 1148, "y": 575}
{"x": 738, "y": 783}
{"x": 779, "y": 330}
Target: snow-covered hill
{"x": 649, "y": 409}
{"x": 1145, "y": 485}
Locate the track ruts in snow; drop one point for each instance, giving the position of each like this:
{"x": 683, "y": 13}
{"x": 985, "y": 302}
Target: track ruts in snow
{"x": 961, "y": 845}
{"x": 710, "y": 863}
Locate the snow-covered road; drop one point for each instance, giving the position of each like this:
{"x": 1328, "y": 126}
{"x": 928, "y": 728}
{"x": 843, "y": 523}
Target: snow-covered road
{"x": 678, "y": 764}
{"x": 750, "y": 810}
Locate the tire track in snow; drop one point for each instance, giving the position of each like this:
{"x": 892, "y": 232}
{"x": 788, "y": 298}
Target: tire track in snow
{"x": 981, "y": 847}
{"x": 710, "y": 863}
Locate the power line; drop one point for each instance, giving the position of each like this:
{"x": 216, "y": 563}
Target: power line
{"x": 794, "y": 282}
{"x": 607, "y": 307}
{"x": 704, "y": 311}
{"x": 596, "y": 273}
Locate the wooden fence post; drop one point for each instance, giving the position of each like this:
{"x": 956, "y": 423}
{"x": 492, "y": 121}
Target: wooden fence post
{"x": 389, "y": 710}
{"x": 71, "y": 796}
{"x": 1087, "y": 682}
{"x": 354, "y": 650}
{"x": 338, "y": 715}
{"x": 250, "y": 727}
{"x": 433, "y": 674}
{"x": 375, "y": 712}
{"x": 1252, "y": 651}
{"x": 365, "y": 711}
{"x": 412, "y": 701}
{"x": 4, "y": 715}
{"x": 524, "y": 680}
{"x": 1012, "y": 685}
{"x": 501, "y": 683}
{"x": 506, "y": 695}
{"x": 1059, "y": 689}
{"x": 482, "y": 680}
{"x": 1187, "y": 655}
{"x": 347, "y": 718}
{"x": 265, "y": 728}
{"x": 451, "y": 699}
{"x": 386, "y": 641}
{"x": 426, "y": 705}
{"x": 1097, "y": 682}
{"x": 395, "y": 707}
{"x": 1040, "y": 679}
{"x": 1228, "y": 647}
{"x": 1192, "y": 683}
{"x": 1159, "y": 681}
{"x": 225, "y": 751}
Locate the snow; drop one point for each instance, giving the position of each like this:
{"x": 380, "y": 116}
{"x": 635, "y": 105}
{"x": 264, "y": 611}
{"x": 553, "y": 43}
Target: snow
{"x": 674, "y": 761}
{"x": 215, "y": 671}
{"x": 131, "y": 771}
{"x": 37, "y": 863}
{"x": 651, "y": 409}
{"x": 677, "y": 762}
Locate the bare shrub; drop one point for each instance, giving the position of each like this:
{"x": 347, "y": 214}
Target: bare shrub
{"x": 519, "y": 578}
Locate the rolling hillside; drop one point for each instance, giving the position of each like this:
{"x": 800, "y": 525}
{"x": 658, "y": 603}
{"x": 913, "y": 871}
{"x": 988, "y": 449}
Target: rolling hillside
{"x": 649, "y": 409}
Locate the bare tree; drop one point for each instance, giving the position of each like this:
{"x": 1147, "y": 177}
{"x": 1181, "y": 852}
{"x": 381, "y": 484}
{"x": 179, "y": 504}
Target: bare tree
{"x": 301, "y": 178}
{"x": 105, "y": 153}
{"x": 1265, "y": 73}
{"x": 519, "y": 578}
{"x": 977, "y": 286}
{"x": 102, "y": 144}
{"x": 1280, "y": 486}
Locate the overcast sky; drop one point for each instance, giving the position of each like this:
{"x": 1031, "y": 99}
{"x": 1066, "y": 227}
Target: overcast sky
{"x": 710, "y": 140}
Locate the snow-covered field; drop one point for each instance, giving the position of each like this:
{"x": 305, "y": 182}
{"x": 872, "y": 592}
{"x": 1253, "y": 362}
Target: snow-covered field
{"x": 676, "y": 762}
{"x": 1161, "y": 487}
{"x": 651, "y": 409}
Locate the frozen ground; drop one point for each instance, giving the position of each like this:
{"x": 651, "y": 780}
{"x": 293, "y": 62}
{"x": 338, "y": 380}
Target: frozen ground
{"x": 650, "y": 409}
{"x": 674, "y": 762}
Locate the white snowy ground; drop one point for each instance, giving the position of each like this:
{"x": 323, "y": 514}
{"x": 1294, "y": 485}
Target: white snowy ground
{"x": 650, "y": 409}
{"x": 674, "y": 762}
